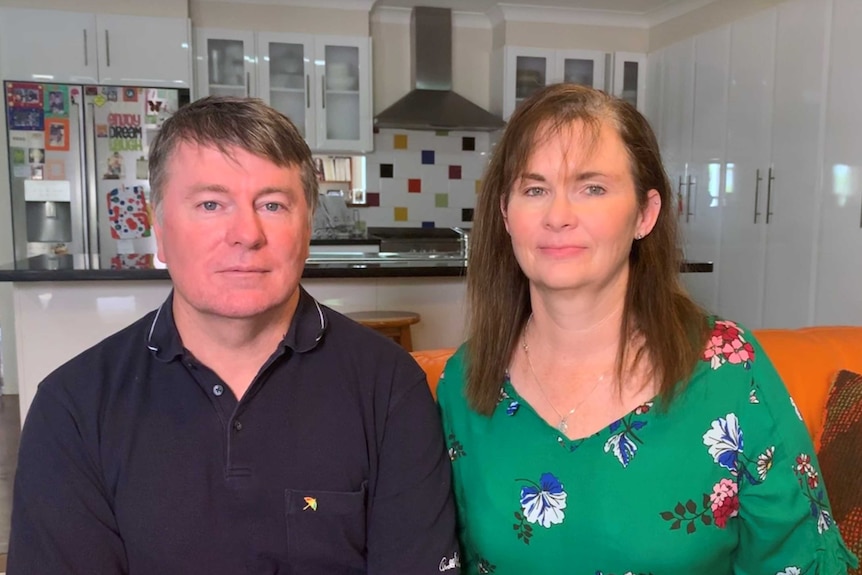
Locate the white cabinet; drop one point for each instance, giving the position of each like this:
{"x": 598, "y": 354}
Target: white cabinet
{"x": 225, "y": 63}
{"x": 748, "y": 173}
{"x": 525, "y": 70}
{"x": 838, "y": 275}
{"x": 322, "y": 83}
{"x": 628, "y": 79}
{"x": 48, "y": 46}
{"x": 79, "y": 47}
{"x": 688, "y": 98}
{"x": 144, "y": 51}
{"x": 791, "y": 203}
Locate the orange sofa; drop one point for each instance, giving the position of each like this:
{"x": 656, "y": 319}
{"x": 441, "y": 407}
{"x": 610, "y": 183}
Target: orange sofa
{"x": 807, "y": 359}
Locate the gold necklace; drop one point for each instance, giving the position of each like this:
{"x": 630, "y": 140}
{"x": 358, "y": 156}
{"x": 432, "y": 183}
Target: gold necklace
{"x": 563, "y": 425}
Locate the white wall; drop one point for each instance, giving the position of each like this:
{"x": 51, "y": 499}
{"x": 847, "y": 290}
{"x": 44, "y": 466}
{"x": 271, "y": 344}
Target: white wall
{"x": 166, "y": 8}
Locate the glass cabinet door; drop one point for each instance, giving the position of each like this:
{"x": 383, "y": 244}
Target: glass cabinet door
{"x": 344, "y": 73}
{"x": 584, "y": 67}
{"x": 629, "y": 82}
{"x": 285, "y": 78}
{"x": 225, "y": 63}
{"x": 531, "y": 73}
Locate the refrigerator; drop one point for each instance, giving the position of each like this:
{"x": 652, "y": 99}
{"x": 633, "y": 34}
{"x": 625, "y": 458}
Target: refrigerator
{"x": 78, "y": 171}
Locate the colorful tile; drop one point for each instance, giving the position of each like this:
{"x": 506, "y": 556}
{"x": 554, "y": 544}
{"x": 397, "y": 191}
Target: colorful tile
{"x": 414, "y": 186}
{"x": 386, "y": 170}
{"x": 441, "y": 200}
{"x": 466, "y": 215}
{"x": 454, "y": 172}
{"x": 468, "y": 143}
{"x": 427, "y": 156}
{"x": 372, "y": 199}
{"x": 427, "y": 225}
{"x": 400, "y": 214}
{"x": 399, "y": 141}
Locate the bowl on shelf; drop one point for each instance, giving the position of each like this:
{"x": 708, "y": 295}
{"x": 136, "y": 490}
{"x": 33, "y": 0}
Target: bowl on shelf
{"x": 341, "y": 82}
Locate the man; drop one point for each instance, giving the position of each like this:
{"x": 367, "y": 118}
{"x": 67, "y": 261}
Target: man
{"x": 241, "y": 427}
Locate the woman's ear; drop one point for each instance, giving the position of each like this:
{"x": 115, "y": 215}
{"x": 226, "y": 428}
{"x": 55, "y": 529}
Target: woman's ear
{"x": 649, "y": 214}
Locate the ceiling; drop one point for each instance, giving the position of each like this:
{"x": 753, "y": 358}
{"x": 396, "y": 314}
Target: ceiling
{"x": 633, "y": 7}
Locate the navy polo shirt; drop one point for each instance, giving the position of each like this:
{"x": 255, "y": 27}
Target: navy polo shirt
{"x": 136, "y": 458}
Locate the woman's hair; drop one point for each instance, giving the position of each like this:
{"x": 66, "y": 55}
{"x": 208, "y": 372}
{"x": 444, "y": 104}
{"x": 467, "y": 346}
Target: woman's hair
{"x": 224, "y": 122}
{"x": 673, "y": 327}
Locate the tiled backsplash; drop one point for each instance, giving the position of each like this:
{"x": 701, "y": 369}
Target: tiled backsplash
{"x": 418, "y": 178}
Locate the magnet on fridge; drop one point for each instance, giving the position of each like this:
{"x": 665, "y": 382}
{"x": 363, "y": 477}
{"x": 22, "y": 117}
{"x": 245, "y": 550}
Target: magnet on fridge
{"x": 24, "y": 95}
{"x": 91, "y": 90}
{"x": 57, "y": 134}
{"x": 27, "y": 119}
{"x": 115, "y": 169}
{"x": 130, "y": 94}
{"x": 56, "y": 104}
{"x": 142, "y": 168}
{"x": 101, "y": 130}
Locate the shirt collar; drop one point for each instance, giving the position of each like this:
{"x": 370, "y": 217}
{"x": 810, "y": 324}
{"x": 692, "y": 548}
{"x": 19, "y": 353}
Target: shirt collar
{"x": 306, "y": 330}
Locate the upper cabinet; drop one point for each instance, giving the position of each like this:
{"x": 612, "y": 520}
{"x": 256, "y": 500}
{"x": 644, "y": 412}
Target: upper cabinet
{"x": 80, "y": 47}
{"x": 322, "y": 83}
{"x": 525, "y": 70}
{"x": 629, "y": 78}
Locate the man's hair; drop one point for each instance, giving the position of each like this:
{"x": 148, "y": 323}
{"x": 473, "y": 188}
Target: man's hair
{"x": 656, "y": 305}
{"x": 223, "y": 123}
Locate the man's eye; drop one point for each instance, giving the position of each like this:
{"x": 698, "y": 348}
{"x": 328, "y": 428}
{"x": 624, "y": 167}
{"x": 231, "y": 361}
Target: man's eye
{"x": 209, "y": 206}
{"x": 272, "y": 206}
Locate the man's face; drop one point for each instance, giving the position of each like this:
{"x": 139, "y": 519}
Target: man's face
{"x": 234, "y": 232}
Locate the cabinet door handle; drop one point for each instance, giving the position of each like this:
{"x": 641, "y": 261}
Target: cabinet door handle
{"x": 308, "y": 90}
{"x": 769, "y": 194}
{"x": 679, "y": 206}
{"x": 86, "y": 56}
{"x": 108, "y": 47}
{"x": 688, "y": 212}
{"x": 248, "y": 83}
{"x": 323, "y": 91}
{"x": 757, "y": 195}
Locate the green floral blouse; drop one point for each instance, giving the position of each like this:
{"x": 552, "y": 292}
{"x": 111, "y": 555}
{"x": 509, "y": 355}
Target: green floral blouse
{"x": 723, "y": 482}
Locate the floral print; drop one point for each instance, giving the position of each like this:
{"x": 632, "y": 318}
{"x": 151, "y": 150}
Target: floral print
{"x": 456, "y": 450}
{"x": 725, "y": 442}
{"x": 724, "y": 502}
{"x": 764, "y": 462}
{"x": 624, "y": 444}
{"x": 727, "y": 345}
{"x": 543, "y": 502}
{"x": 790, "y": 571}
{"x": 809, "y": 481}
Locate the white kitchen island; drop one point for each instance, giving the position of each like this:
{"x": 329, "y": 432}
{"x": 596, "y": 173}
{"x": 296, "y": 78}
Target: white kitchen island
{"x": 56, "y": 320}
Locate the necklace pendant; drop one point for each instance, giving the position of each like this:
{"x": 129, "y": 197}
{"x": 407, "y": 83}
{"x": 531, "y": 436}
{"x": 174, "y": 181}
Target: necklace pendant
{"x": 563, "y": 425}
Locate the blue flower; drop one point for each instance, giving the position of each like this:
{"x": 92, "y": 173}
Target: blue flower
{"x": 724, "y": 441}
{"x": 543, "y": 503}
{"x": 512, "y": 409}
{"x": 624, "y": 448}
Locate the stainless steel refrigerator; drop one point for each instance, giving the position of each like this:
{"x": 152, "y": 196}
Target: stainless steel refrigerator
{"x": 78, "y": 169}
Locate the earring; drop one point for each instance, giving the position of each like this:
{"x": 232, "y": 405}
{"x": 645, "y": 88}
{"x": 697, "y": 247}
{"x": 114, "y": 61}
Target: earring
{"x": 639, "y": 236}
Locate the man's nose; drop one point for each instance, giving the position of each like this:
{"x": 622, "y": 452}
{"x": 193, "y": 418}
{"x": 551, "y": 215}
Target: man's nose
{"x": 245, "y": 228}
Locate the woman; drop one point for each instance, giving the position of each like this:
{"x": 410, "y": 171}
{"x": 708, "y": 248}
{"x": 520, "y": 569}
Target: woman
{"x": 598, "y": 422}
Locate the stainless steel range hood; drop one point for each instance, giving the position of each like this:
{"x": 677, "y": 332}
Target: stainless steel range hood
{"x": 432, "y": 105}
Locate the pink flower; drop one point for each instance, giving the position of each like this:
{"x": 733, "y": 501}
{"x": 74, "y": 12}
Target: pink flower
{"x": 724, "y": 502}
{"x": 803, "y": 465}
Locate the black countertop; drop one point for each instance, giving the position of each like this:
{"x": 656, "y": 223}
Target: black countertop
{"x": 83, "y": 268}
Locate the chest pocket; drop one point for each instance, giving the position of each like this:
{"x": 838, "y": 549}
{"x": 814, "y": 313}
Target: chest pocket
{"x": 326, "y": 529}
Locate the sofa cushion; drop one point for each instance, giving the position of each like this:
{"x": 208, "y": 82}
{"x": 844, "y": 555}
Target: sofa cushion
{"x": 841, "y": 455}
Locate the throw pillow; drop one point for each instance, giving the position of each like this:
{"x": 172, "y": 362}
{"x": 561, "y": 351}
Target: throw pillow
{"x": 841, "y": 457}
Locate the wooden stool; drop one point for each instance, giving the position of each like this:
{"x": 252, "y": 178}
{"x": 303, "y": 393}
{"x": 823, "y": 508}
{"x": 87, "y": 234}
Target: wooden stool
{"x": 392, "y": 324}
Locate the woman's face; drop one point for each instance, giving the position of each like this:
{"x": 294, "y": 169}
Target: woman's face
{"x": 573, "y": 214}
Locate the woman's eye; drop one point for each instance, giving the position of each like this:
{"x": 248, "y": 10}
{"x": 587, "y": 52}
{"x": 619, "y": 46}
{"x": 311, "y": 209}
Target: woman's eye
{"x": 595, "y": 190}
{"x": 534, "y": 191}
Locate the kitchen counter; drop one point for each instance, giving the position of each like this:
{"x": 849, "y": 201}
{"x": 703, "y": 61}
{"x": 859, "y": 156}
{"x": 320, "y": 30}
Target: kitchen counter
{"x": 321, "y": 265}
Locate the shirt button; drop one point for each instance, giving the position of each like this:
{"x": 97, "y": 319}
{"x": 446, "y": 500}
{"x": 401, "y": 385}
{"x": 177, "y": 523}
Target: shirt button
{"x": 237, "y": 425}
{"x": 218, "y": 389}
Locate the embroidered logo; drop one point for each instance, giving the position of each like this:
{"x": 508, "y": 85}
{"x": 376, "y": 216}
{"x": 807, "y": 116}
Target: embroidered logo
{"x": 446, "y": 564}
{"x": 310, "y": 503}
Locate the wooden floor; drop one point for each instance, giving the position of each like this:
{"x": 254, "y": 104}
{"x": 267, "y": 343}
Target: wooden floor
{"x": 10, "y": 432}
